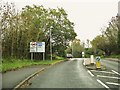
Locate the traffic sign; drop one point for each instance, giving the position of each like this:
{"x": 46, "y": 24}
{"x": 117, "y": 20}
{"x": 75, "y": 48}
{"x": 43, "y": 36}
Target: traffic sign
{"x": 40, "y": 46}
{"x": 32, "y": 46}
{"x": 37, "y": 46}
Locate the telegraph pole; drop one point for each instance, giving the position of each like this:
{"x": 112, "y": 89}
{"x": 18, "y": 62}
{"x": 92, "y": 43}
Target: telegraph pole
{"x": 50, "y": 44}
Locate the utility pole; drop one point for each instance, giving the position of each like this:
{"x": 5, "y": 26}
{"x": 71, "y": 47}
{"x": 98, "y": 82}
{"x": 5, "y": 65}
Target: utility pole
{"x": 72, "y": 47}
{"x": 50, "y": 44}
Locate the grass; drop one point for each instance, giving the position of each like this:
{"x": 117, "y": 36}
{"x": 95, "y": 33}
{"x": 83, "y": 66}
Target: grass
{"x": 13, "y": 64}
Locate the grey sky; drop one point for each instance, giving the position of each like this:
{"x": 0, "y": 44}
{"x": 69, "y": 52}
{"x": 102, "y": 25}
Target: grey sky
{"x": 89, "y": 16}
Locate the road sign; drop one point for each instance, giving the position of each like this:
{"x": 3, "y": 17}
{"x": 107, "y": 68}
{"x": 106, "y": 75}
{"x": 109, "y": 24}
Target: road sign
{"x": 32, "y": 46}
{"x": 37, "y": 46}
{"x": 98, "y": 65}
{"x": 40, "y": 46}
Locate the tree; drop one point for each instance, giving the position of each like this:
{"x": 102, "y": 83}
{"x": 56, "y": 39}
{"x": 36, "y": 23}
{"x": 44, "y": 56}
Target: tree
{"x": 76, "y": 48}
{"x": 118, "y": 39}
{"x": 34, "y": 23}
{"x": 100, "y": 42}
{"x": 108, "y": 41}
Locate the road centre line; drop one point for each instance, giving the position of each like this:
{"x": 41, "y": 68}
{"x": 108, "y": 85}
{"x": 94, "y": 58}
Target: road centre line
{"x": 108, "y": 77}
{"x": 90, "y": 73}
{"x": 113, "y": 83}
{"x": 103, "y": 71}
{"x": 102, "y": 84}
{"x": 115, "y": 72}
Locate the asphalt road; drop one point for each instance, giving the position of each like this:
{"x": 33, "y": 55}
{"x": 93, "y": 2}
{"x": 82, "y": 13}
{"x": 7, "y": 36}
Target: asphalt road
{"x": 69, "y": 74}
{"x": 111, "y": 64}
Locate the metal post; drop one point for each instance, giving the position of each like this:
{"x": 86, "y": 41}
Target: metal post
{"x": 31, "y": 55}
{"x": 43, "y": 56}
{"x": 50, "y": 44}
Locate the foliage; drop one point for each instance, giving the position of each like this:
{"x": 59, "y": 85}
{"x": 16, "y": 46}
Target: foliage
{"x": 109, "y": 40}
{"x": 34, "y": 23}
{"x": 76, "y": 48}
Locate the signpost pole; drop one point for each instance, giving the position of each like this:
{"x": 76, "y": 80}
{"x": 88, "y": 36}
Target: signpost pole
{"x": 43, "y": 56}
{"x": 31, "y": 55}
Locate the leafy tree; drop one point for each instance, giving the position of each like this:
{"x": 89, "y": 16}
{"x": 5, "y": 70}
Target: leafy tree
{"x": 76, "y": 48}
{"x": 34, "y": 23}
{"x": 108, "y": 41}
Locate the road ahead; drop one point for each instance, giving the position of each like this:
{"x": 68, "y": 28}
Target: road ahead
{"x": 69, "y": 74}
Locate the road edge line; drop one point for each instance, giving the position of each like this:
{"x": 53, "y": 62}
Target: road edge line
{"x": 90, "y": 73}
{"x": 99, "y": 81}
{"x": 26, "y": 79}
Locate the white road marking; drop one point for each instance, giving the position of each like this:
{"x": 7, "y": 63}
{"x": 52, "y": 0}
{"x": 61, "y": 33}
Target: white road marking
{"x": 108, "y": 77}
{"x": 113, "y": 83}
{"x": 115, "y": 72}
{"x": 103, "y": 71}
{"x": 102, "y": 84}
{"x": 90, "y": 73}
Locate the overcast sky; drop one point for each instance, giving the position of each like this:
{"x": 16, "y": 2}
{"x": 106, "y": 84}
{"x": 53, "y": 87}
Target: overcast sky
{"x": 89, "y": 16}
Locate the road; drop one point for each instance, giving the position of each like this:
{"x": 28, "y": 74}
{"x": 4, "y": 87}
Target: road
{"x": 110, "y": 64}
{"x": 69, "y": 74}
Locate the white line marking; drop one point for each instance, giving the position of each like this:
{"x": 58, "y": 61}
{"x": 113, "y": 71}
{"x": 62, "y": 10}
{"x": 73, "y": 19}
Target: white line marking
{"x": 108, "y": 77}
{"x": 115, "y": 72}
{"x": 90, "y": 73}
{"x": 103, "y": 71}
{"x": 113, "y": 83}
{"x": 102, "y": 83}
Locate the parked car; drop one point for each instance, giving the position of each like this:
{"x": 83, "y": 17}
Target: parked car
{"x": 69, "y": 55}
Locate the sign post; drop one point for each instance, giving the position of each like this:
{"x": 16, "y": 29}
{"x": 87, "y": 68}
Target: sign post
{"x": 43, "y": 56}
{"x": 37, "y": 47}
{"x": 41, "y": 48}
{"x": 32, "y": 49}
{"x": 98, "y": 65}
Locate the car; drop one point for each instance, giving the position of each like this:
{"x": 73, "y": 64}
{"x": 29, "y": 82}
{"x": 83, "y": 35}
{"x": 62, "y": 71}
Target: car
{"x": 69, "y": 55}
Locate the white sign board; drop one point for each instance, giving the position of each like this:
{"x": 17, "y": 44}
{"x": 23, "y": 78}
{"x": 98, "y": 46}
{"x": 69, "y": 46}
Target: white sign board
{"x": 37, "y": 46}
{"x": 40, "y": 46}
{"x": 32, "y": 46}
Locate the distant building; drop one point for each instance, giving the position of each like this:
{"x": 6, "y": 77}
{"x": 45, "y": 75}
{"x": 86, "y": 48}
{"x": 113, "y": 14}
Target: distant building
{"x": 119, "y": 8}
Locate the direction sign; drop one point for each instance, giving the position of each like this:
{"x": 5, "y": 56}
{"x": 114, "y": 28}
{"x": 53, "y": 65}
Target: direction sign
{"x": 40, "y": 46}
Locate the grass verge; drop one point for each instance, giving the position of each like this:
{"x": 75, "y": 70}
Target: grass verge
{"x": 14, "y": 64}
